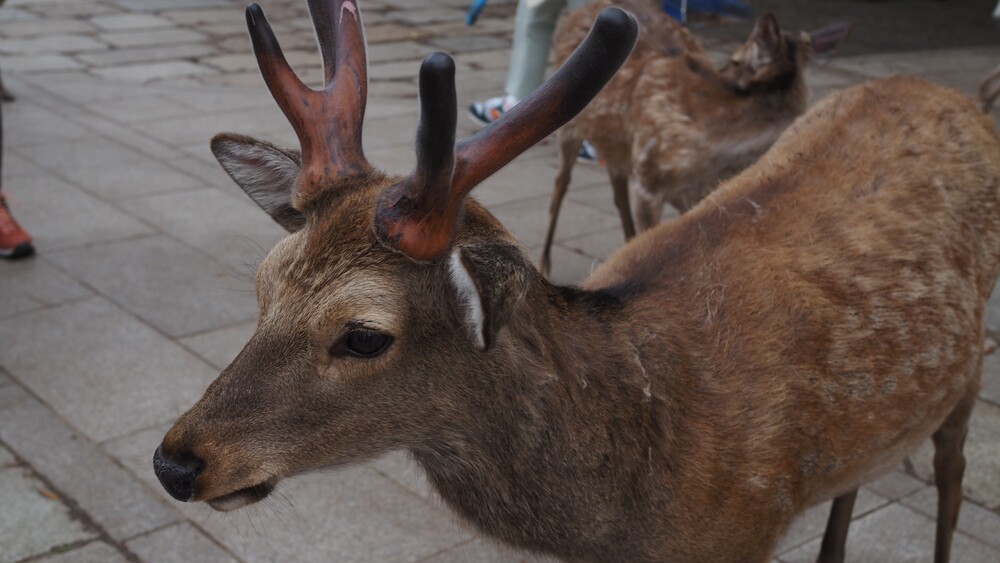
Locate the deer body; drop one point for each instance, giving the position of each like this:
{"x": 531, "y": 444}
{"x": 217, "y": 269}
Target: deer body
{"x": 673, "y": 121}
{"x": 789, "y": 338}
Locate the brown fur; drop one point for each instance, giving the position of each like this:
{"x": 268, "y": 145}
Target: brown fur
{"x": 675, "y": 122}
{"x": 791, "y": 337}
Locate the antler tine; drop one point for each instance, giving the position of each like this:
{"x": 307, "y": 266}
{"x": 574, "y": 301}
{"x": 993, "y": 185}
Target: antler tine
{"x": 328, "y": 123}
{"x": 408, "y": 213}
{"x": 420, "y": 221}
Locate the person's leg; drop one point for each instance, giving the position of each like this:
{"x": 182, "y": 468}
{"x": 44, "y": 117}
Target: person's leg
{"x": 14, "y": 241}
{"x": 529, "y": 57}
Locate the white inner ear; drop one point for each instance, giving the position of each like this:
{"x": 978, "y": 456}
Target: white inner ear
{"x": 469, "y": 297}
{"x": 267, "y": 176}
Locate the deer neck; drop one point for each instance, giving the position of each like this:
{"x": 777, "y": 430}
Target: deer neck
{"x": 563, "y": 394}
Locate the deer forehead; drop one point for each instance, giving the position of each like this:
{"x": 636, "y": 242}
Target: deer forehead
{"x": 335, "y": 294}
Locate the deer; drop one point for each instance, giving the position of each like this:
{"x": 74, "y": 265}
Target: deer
{"x": 989, "y": 88}
{"x": 674, "y": 121}
{"x": 791, "y": 337}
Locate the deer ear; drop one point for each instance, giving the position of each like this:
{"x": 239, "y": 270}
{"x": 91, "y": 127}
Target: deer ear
{"x": 491, "y": 281}
{"x": 266, "y": 173}
{"x": 766, "y": 32}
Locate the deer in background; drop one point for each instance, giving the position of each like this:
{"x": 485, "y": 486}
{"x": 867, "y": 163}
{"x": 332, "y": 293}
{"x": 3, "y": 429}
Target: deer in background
{"x": 788, "y": 339}
{"x": 672, "y": 120}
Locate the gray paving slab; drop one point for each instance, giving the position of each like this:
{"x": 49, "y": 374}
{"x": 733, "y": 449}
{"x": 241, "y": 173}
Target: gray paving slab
{"x": 93, "y": 552}
{"x": 117, "y": 22}
{"x": 146, "y": 108}
{"x": 982, "y": 454}
{"x": 181, "y": 543}
{"x": 149, "y": 71}
{"x": 220, "y": 347}
{"x": 25, "y": 124}
{"x": 103, "y": 371}
{"x": 6, "y": 458}
{"x": 352, "y": 515}
{"x": 146, "y": 54}
{"x": 145, "y": 38}
{"x": 483, "y": 550}
{"x": 973, "y": 519}
{"x": 175, "y": 288}
{"x": 45, "y": 62}
{"x": 52, "y": 43}
{"x": 812, "y": 523}
{"x": 896, "y": 485}
{"x": 991, "y": 379}
{"x": 525, "y": 219}
{"x": 61, "y": 216}
{"x": 33, "y": 520}
{"x": 31, "y": 284}
{"x": 897, "y": 533}
{"x": 108, "y": 169}
{"x": 228, "y": 226}
{"x": 111, "y": 497}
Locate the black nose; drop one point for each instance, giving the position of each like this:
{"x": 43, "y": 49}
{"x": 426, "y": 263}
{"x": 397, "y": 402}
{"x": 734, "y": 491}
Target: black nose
{"x": 177, "y": 475}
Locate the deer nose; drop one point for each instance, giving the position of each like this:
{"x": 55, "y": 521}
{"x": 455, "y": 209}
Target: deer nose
{"x": 177, "y": 475}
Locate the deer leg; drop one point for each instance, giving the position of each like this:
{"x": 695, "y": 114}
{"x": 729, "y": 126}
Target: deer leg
{"x": 949, "y": 467}
{"x": 989, "y": 89}
{"x": 835, "y": 538}
{"x": 569, "y": 147}
{"x": 619, "y": 185}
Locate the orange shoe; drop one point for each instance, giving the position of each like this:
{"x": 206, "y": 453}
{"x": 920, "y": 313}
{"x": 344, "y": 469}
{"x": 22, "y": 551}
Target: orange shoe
{"x": 15, "y": 242}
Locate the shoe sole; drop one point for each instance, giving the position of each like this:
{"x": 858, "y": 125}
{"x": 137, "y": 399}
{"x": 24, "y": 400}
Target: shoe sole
{"x": 20, "y": 251}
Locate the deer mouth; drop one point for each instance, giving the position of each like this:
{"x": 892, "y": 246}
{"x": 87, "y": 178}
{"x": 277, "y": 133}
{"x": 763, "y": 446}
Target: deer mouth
{"x": 243, "y": 497}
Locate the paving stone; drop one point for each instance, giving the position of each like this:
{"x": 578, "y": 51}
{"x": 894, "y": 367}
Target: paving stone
{"x": 896, "y": 485}
{"x": 568, "y": 267}
{"x": 991, "y": 379}
{"x": 26, "y": 124}
{"x": 151, "y": 37}
{"x": 60, "y": 216}
{"x": 231, "y": 228}
{"x": 220, "y": 347}
{"x": 483, "y": 550}
{"x": 178, "y": 544}
{"x": 145, "y": 72}
{"x": 30, "y": 284}
{"x": 469, "y": 43}
{"x": 896, "y": 533}
{"x": 201, "y": 128}
{"x": 146, "y": 108}
{"x": 401, "y": 468}
{"x": 93, "y": 552}
{"x": 204, "y": 15}
{"x": 118, "y": 22}
{"x": 176, "y": 289}
{"x": 346, "y": 515}
{"x": 6, "y": 458}
{"x": 384, "y": 33}
{"x": 5, "y": 379}
{"x": 52, "y": 43}
{"x": 15, "y": 165}
{"x": 525, "y": 219}
{"x": 397, "y": 51}
{"x": 15, "y": 15}
{"x": 427, "y": 15}
{"x": 973, "y": 519}
{"x": 31, "y": 523}
{"x": 146, "y": 54}
{"x": 982, "y": 454}
{"x": 812, "y": 523}
{"x": 107, "y": 169}
{"x": 106, "y": 492}
{"x": 160, "y": 5}
{"x": 46, "y": 62}
{"x": 79, "y": 87}
{"x": 598, "y": 245}
{"x": 102, "y": 370}
{"x": 993, "y": 312}
{"x": 393, "y": 70}
{"x": 396, "y": 131}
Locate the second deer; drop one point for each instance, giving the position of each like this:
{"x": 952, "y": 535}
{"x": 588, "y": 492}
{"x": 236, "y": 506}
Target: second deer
{"x": 675, "y": 122}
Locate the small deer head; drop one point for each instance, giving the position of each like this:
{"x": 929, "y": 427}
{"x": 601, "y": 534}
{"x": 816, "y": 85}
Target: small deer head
{"x": 771, "y": 59}
{"x": 379, "y": 311}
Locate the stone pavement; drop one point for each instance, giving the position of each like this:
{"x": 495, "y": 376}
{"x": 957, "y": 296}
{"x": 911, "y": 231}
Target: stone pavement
{"x": 142, "y": 290}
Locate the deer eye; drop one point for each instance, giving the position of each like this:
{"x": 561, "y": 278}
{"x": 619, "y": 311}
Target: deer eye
{"x": 362, "y": 343}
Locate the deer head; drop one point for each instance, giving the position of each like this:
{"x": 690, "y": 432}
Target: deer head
{"x": 772, "y": 59}
{"x": 391, "y": 294}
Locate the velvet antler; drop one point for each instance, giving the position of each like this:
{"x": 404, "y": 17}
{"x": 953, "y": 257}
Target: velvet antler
{"x": 327, "y": 122}
{"x": 419, "y": 215}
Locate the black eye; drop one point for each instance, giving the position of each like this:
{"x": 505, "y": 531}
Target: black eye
{"x": 362, "y": 343}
